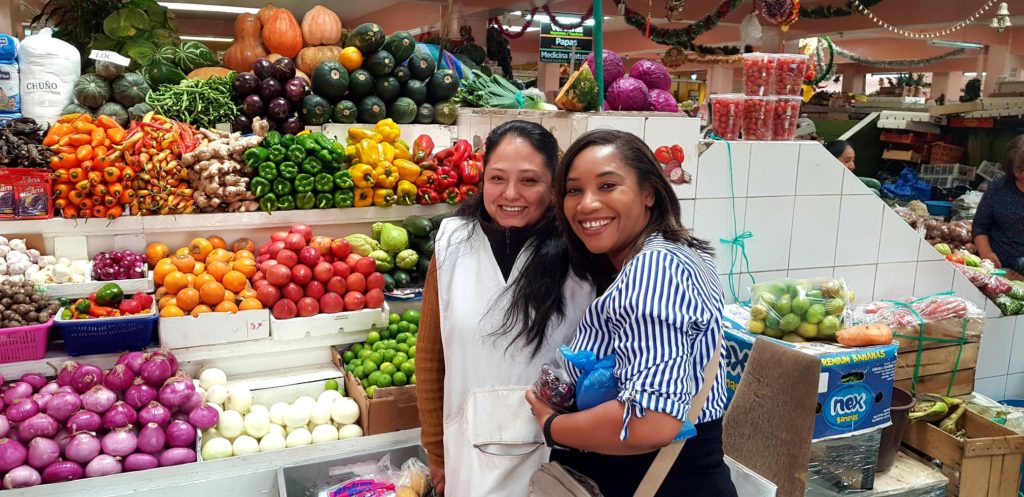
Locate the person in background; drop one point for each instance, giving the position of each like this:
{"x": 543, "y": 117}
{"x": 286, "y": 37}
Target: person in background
{"x": 841, "y": 149}
{"x": 498, "y": 301}
{"x": 660, "y": 316}
{"x": 999, "y": 221}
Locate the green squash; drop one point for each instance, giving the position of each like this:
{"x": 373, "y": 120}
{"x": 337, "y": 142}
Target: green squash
{"x": 368, "y": 38}
{"x": 130, "y": 89}
{"x": 446, "y": 112}
{"x": 380, "y": 64}
{"x": 415, "y": 90}
{"x": 360, "y": 84}
{"x": 403, "y": 110}
{"x": 372, "y": 110}
{"x": 316, "y": 110}
{"x": 402, "y": 74}
{"x": 92, "y": 91}
{"x": 74, "y": 108}
{"x": 138, "y": 111}
{"x": 401, "y": 45}
{"x": 442, "y": 85}
{"x": 330, "y": 80}
{"x": 116, "y": 111}
{"x": 425, "y": 114}
{"x": 387, "y": 88}
{"x": 421, "y": 66}
{"x": 345, "y": 112}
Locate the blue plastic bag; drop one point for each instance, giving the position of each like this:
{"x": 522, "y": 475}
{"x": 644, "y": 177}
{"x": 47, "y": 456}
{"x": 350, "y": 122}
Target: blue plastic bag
{"x": 908, "y": 186}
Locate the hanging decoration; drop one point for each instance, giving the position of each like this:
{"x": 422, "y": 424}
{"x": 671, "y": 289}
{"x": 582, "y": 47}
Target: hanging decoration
{"x": 781, "y": 12}
{"x": 674, "y": 10}
{"x": 917, "y": 35}
{"x": 681, "y": 37}
{"x": 823, "y": 55}
{"x": 674, "y": 57}
{"x": 528, "y": 20}
{"x": 722, "y": 50}
{"x": 829, "y": 11}
{"x": 895, "y": 63}
{"x": 750, "y": 29}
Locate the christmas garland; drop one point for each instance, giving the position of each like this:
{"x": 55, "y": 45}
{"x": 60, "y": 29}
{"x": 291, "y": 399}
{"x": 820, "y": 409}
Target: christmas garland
{"x": 895, "y": 63}
{"x": 681, "y": 37}
{"x": 722, "y": 50}
{"x": 821, "y": 75}
{"x": 829, "y": 11}
{"x": 528, "y": 22}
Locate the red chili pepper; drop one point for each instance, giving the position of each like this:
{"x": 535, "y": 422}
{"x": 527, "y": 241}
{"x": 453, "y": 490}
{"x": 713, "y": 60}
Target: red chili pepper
{"x": 422, "y": 148}
{"x": 468, "y": 191}
{"x": 663, "y": 154}
{"x": 452, "y": 195}
{"x": 98, "y": 311}
{"x": 427, "y": 196}
{"x": 446, "y": 178}
{"x": 469, "y": 172}
{"x": 678, "y": 154}
{"x": 462, "y": 151}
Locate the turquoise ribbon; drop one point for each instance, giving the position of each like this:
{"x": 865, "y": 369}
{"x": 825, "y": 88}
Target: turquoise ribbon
{"x": 737, "y": 244}
{"x": 520, "y": 100}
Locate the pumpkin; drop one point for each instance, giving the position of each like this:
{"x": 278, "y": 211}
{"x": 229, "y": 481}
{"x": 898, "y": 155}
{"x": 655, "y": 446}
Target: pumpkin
{"x": 247, "y": 47}
{"x": 321, "y": 26}
{"x": 265, "y": 13}
{"x": 310, "y": 57}
{"x": 282, "y": 34}
{"x": 208, "y": 72}
{"x": 302, "y": 75}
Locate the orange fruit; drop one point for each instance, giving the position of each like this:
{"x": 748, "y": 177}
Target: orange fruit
{"x": 226, "y": 306}
{"x": 219, "y": 254}
{"x": 247, "y": 267}
{"x": 190, "y": 277}
{"x": 175, "y": 281}
{"x": 166, "y": 300}
{"x": 200, "y": 248}
{"x": 218, "y": 242}
{"x": 160, "y": 292}
{"x": 200, "y": 269}
{"x": 248, "y": 293}
{"x": 234, "y": 281}
{"x": 200, "y": 309}
{"x": 161, "y": 271}
{"x": 351, "y": 58}
{"x": 244, "y": 254}
{"x": 249, "y": 304}
{"x": 203, "y": 279}
{"x": 243, "y": 244}
{"x": 171, "y": 311}
{"x": 182, "y": 251}
{"x": 217, "y": 269}
{"x": 155, "y": 252}
{"x": 212, "y": 293}
{"x": 230, "y": 296}
{"x": 187, "y": 299}
{"x": 184, "y": 263}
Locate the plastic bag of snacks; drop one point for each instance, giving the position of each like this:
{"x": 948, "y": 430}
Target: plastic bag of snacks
{"x": 554, "y": 387}
{"x": 412, "y": 480}
{"x": 757, "y": 118}
{"x": 799, "y": 310}
{"x": 758, "y": 74}
{"x": 785, "y": 119}
{"x": 790, "y": 70}
{"x": 727, "y": 115}
{"x": 943, "y": 316}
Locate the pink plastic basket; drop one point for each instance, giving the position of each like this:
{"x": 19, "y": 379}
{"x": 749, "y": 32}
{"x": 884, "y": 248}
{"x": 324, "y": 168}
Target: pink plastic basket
{"x": 24, "y": 343}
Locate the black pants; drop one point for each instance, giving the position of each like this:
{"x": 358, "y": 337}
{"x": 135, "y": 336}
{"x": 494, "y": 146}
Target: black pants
{"x": 700, "y": 470}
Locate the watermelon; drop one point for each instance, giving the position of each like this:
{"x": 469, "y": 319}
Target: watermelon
{"x": 330, "y": 80}
{"x": 627, "y": 93}
{"x": 425, "y": 114}
{"x": 400, "y": 45}
{"x": 192, "y": 55}
{"x": 130, "y": 89}
{"x": 92, "y": 91}
{"x": 580, "y": 92}
{"x": 403, "y": 111}
{"x": 652, "y": 73}
{"x": 443, "y": 85}
{"x": 613, "y": 67}
{"x": 345, "y": 112}
{"x": 368, "y": 38}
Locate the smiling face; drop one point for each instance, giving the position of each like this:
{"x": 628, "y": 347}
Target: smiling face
{"x": 517, "y": 184}
{"x": 605, "y": 204}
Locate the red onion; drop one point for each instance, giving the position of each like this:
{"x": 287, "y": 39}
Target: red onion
{"x": 84, "y": 421}
{"x": 139, "y": 394}
{"x": 51, "y": 388}
{"x": 98, "y": 399}
{"x": 82, "y": 448}
{"x": 21, "y": 410}
{"x": 63, "y": 405}
{"x": 66, "y": 372}
{"x": 120, "y": 415}
{"x": 155, "y": 413}
{"x": 119, "y": 378}
{"x": 176, "y": 456}
{"x": 22, "y": 477}
{"x": 17, "y": 390}
{"x": 103, "y": 465}
{"x": 40, "y": 425}
{"x": 5, "y": 426}
{"x": 63, "y": 437}
{"x": 42, "y": 399}
{"x": 156, "y": 371}
{"x": 140, "y": 461}
{"x": 192, "y": 403}
{"x": 62, "y": 471}
{"x": 166, "y": 354}
{"x": 86, "y": 377}
{"x": 180, "y": 434}
{"x": 12, "y": 454}
{"x": 37, "y": 380}
{"x": 151, "y": 439}
{"x": 176, "y": 391}
{"x": 42, "y": 451}
{"x": 204, "y": 417}
{"x": 119, "y": 443}
{"x": 132, "y": 360}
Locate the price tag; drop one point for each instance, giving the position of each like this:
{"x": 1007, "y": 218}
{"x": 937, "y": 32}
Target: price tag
{"x": 108, "y": 56}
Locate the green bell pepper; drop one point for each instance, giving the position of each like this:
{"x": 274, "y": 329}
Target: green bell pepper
{"x": 343, "y": 198}
{"x": 312, "y": 165}
{"x": 303, "y": 183}
{"x": 324, "y": 201}
{"x": 66, "y": 315}
{"x": 288, "y": 170}
{"x": 296, "y": 153}
{"x": 307, "y": 143}
{"x": 305, "y": 200}
{"x": 343, "y": 180}
{"x": 282, "y": 187}
{"x": 287, "y": 140}
{"x": 338, "y": 152}
{"x": 268, "y": 202}
{"x": 260, "y": 186}
{"x": 277, "y": 154}
{"x": 286, "y": 203}
{"x": 256, "y": 155}
{"x": 272, "y": 138}
{"x": 267, "y": 171}
{"x": 83, "y": 306}
{"x": 323, "y": 182}
{"x": 321, "y": 140}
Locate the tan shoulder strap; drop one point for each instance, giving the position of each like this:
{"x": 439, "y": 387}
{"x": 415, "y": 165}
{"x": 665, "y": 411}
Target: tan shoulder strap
{"x": 667, "y": 455}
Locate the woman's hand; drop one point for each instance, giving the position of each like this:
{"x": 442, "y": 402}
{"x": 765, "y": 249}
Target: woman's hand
{"x": 540, "y": 409}
{"x": 991, "y": 256}
{"x": 437, "y": 478}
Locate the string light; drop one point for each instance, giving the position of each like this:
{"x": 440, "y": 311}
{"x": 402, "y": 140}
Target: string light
{"x": 917, "y": 35}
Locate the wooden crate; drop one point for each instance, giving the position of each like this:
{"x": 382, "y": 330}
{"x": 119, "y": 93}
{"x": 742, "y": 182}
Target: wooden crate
{"x": 963, "y": 384}
{"x": 937, "y": 361}
{"x": 984, "y": 464}
{"x": 902, "y": 155}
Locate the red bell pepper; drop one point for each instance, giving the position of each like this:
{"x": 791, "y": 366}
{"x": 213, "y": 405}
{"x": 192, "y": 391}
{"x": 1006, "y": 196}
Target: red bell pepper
{"x": 452, "y": 195}
{"x": 468, "y": 191}
{"x": 422, "y": 148}
{"x": 443, "y": 157}
{"x": 469, "y": 172}
{"x": 663, "y": 154}
{"x": 98, "y": 311}
{"x": 446, "y": 178}
{"x": 427, "y": 196}
{"x": 462, "y": 151}
{"x": 957, "y": 258}
{"x": 427, "y": 179}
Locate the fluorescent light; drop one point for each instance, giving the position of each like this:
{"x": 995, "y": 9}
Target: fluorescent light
{"x": 202, "y": 7}
{"x": 955, "y": 44}
{"x": 211, "y": 39}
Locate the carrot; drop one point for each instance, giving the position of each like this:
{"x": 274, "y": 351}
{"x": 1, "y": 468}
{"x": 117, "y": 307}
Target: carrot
{"x": 865, "y": 335}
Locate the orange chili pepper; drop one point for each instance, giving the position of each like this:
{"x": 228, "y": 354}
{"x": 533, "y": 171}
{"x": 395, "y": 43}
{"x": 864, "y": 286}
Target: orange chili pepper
{"x": 116, "y": 135}
{"x": 111, "y": 173}
{"x": 67, "y": 149}
{"x": 82, "y": 186}
{"x": 62, "y": 190}
{"x": 99, "y": 211}
{"x": 109, "y": 201}
{"x": 55, "y": 163}
{"x": 76, "y": 196}
{"x": 84, "y": 152}
{"x": 85, "y": 205}
{"x": 80, "y": 139}
{"x": 64, "y": 141}
{"x": 68, "y": 161}
{"x": 127, "y": 196}
{"x": 87, "y": 165}
{"x": 101, "y": 190}
{"x": 114, "y": 212}
{"x": 77, "y": 174}
{"x": 98, "y": 135}
{"x": 51, "y": 139}
{"x": 60, "y": 203}
{"x": 61, "y": 129}
{"x": 69, "y": 212}
{"x": 116, "y": 190}
{"x": 94, "y": 177}
{"x": 106, "y": 122}
{"x": 82, "y": 126}
{"x": 99, "y": 151}
{"x": 96, "y": 199}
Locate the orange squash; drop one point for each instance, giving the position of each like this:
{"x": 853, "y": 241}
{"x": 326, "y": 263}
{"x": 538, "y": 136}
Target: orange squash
{"x": 208, "y": 72}
{"x": 321, "y": 26}
{"x": 265, "y": 13}
{"x": 310, "y": 57}
{"x": 247, "y": 47}
{"x": 282, "y": 33}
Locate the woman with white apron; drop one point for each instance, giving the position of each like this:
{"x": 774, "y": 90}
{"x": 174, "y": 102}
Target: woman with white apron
{"x": 499, "y": 300}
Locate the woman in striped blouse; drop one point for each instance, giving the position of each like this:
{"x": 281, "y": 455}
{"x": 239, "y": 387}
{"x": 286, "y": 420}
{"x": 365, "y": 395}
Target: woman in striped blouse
{"x": 660, "y": 316}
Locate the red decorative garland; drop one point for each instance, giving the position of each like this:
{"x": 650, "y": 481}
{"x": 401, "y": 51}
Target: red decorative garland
{"x": 528, "y": 22}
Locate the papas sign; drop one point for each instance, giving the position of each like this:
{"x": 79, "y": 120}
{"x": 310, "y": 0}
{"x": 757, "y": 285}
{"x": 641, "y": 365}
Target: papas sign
{"x": 558, "y": 45}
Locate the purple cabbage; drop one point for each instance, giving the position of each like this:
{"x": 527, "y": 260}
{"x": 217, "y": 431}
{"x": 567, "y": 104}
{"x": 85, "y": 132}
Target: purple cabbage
{"x": 627, "y": 93}
{"x": 659, "y": 100}
{"x": 613, "y": 67}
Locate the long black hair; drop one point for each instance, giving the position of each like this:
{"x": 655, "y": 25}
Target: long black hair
{"x": 664, "y": 212}
{"x": 535, "y": 294}
{"x": 837, "y": 147}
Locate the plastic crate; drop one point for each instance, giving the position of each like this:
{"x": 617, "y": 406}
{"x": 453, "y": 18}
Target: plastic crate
{"x": 24, "y": 343}
{"x": 990, "y": 170}
{"x": 946, "y": 181}
{"x": 107, "y": 335}
{"x": 951, "y": 170}
{"x": 944, "y": 153}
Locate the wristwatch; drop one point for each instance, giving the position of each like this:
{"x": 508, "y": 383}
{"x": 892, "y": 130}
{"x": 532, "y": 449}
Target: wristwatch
{"x": 548, "y": 440}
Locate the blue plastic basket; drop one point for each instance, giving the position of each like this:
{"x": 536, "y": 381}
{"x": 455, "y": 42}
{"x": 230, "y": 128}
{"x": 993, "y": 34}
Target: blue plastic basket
{"x": 940, "y": 208}
{"x": 107, "y": 335}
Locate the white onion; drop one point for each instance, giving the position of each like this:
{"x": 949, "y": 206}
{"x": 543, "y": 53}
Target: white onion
{"x": 217, "y": 394}
{"x": 306, "y": 401}
{"x": 212, "y": 376}
{"x": 278, "y": 429}
{"x": 230, "y": 424}
{"x": 239, "y": 399}
{"x": 349, "y": 431}
{"x": 277, "y": 412}
{"x": 298, "y": 438}
{"x": 329, "y": 397}
{"x": 260, "y": 407}
{"x": 345, "y": 411}
{"x": 256, "y": 423}
{"x": 320, "y": 414}
{"x": 324, "y": 433}
{"x": 217, "y": 448}
{"x": 290, "y": 429}
{"x": 273, "y": 441}
{"x": 245, "y": 445}
{"x": 210, "y": 434}
{"x": 297, "y": 415}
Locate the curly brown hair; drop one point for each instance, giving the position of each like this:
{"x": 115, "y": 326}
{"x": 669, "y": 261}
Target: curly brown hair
{"x": 1013, "y": 157}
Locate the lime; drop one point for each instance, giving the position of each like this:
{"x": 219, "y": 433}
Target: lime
{"x": 412, "y": 316}
{"x": 394, "y": 318}
{"x": 348, "y": 356}
{"x": 399, "y": 358}
{"x": 372, "y": 337}
{"x": 370, "y": 390}
{"x": 790, "y": 322}
{"x": 402, "y": 337}
{"x": 771, "y": 321}
{"x": 350, "y": 367}
{"x": 378, "y": 346}
{"x": 384, "y": 381}
{"x": 411, "y": 341}
{"x": 376, "y": 358}
{"x": 403, "y": 327}
{"x": 389, "y": 355}
{"x": 409, "y": 367}
{"x": 393, "y": 329}
{"x": 388, "y": 369}
{"x": 359, "y": 373}
{"x": 369, "y": 367}
{"x": 400, "y": 379}
{"x": 357, "y": 347}
{"x": 784, "y": 305}
{"x": 828, "y": 326}
{"x": 414, "y": 329}
{"x": 800, "y": 305}
{"x": 359, "y": 361}
{"x": 365, "y": 383}
{"x": 385, "y": 334}
{"x": 331, "y": 384}
{"x": 412, "y": 379}
{"x": 412, "y": 352}
{"x": 758, "y": 311}
{"x": 835, "y": 307}
{"x": 774, "y": 332}
{"x": 815, "y": 314}
{"x": 363, "y": 354}
{"x": 755, "y": 326}
{"x": 403, "y": 347}
{"x": 807, "y": 330}
{"x": 391, "y": 343}
{"x": 374, "y": 377}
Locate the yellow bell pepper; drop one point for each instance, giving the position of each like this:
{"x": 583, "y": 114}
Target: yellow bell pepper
{"x": 406, "y": 193}
{"x": 363, "y": 197}
{"x": 368, "y": 151}
{"x": 356, "y": 135}
{"x": 385, "y": 175}
{"x": 402, "y": 150}
{"x": 362, "y": 175}
{"x": 388, "y": 129}
{"x": 387, "y": 152}
{"x": 384, "y": 197}
{"x": 407, "y": 169}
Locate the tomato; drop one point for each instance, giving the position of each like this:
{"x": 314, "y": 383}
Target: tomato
{"x": 304, "y": 230}
{"x": 365, "y": 266}
{"x": 351, "y": 260}
{"x": 144, "y": 299}
{"x": 322, "y": 244}
{"x": 279, "y": 275}
{"x": 356, "y": 282}
{"x": 663, "y": 154}
{"x": 287, "y": 257}
{"x": 294, "y": 241}
{"x": 315, "y": 289}
{"x": 678, "y": 154}
{"x": 268, "y": 294}
{"x": 375, "y": 298}
{"x": 375, "y": 281}
{"x": 130, "y": 306}
{"x": 341, "y": 269}
{"x": 331, "y": 302}
{"x": 354, "y": 301}
{"x": 323, "y": 272}
{"x": 274, "y": 248}
{"x": 278, "y": 236}
{"x": 308, "y": 306}
{"x": 340, "y": 248}
{"x": 302, "y": 274}
{"x": 284, "y": 309}
{"x": 337, "y": 285}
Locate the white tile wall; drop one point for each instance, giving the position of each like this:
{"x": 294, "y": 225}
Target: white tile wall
{"x": 770, "y": 220}
{"x": 895, "y": 280}
{"x": 713, "y": 220}
{"x": 817, "y": 173}
{"x": 815, "y": 231}
{"x": 860, "y": 279}
{"x": 964, "y": 288}
{"x": 660, "y": 131}
{"x": 686, "y": 213}
{"x": 860, "y": 222}
{"x": 899, "y": 243}
{"x": 852, "y": 185}
{"x": 773, "y": 168}
{"x": 933, "y": 277}
{"x": 996, "y": 346}
{"x": 1014, "y": 387}
{"x": 811, "y": 273}
{"x": 714, "y": 178}
{"x": 1017, "y": 352}
{"x": 993, "y": 388}
{"x": 632, "y": 124}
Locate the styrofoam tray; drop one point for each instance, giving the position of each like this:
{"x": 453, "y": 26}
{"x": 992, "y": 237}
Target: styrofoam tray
{"x": 214, "y": 328}
{"x": 329, "y": 324}
{"x": 82, "y": 290}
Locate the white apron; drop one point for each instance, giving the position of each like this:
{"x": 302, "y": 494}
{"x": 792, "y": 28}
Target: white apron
{"x": 491, "y": 442}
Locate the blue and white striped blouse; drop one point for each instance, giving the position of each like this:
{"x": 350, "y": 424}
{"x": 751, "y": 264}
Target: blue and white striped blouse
{"x": 661, "y": 319}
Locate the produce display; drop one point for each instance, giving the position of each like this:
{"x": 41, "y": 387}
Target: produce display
{"x": 141, "y": 414}
{"x": 90, "y": 178}
{"x": 496, "y": 92}
{"x": 453, "y": 174}
{"x": 152, "y": 148}
{"x": 204, "y": 277}
{"x": 786, "y": 115}
{"x": 727, "y": 115}
{"x": 108, "y": 302}
{"x": 1007, "y": 294}
{"x": 404, "y": 251}
{"x": 272, "y": 91}
{"x": 645, "y": 88}
{"x": 799, "y": 310}
{"x": 22, "y": 305}
{"x": 945, "y": 237}
{"x": 21, "y": 144}
{"x": 580, "y": 93}
{"x": 109, "y": 91}
{"x": 388, "y": 357}
{"x": 203, "y": 103}
{"x": 299, "y": 172}
{"x": 218, "y": 172}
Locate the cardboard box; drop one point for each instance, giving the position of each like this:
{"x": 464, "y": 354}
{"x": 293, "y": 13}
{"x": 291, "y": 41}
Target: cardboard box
{"x": 735, "y": 353}
{"x": 329, "y": 324}
{"x": 214, "y": 328}
{"x": 901, "y": 155}
{"x": 390, "y": 409}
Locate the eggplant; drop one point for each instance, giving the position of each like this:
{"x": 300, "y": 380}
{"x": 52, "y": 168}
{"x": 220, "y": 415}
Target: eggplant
{"x": 252, "y": 106}
{"x": 291, "y": 126}
{"x": 270, "y": 89}
{"x": 282, "y": 69}
{"x": 246, "y": 84}
{"x": 295, "y": 90}
{"x": 262, "y": 68}
{"x": 241, "y": 124}
{"x": 279, "y": 108}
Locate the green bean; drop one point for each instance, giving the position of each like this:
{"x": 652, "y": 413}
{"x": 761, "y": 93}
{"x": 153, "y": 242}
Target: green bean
{"x": 201, "y": 103}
